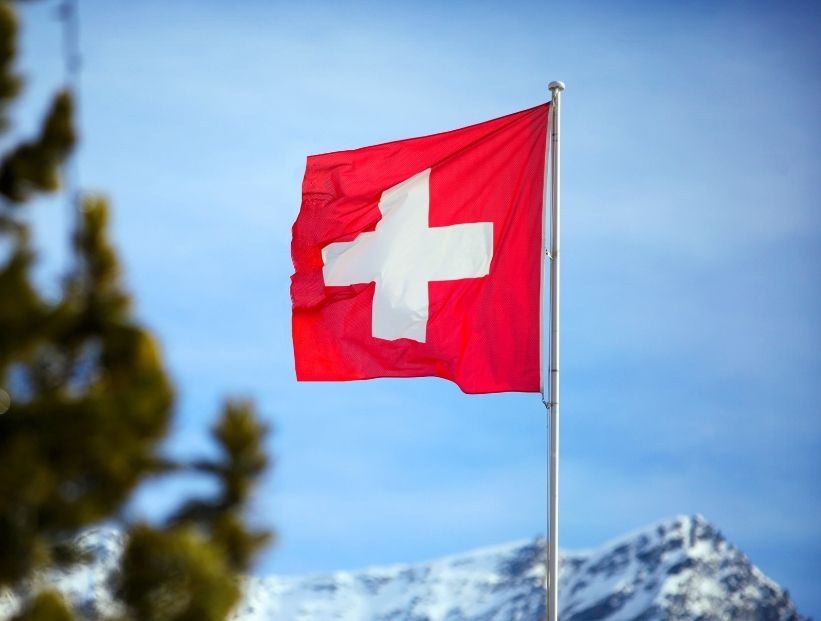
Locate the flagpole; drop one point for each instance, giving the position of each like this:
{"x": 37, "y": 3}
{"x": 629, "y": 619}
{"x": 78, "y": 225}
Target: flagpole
{"x": 552, "y": 404}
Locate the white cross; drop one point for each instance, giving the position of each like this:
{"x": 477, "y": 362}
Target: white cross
{"x": 404, "y": 254}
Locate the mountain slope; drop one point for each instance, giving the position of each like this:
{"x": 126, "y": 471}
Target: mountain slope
{"x": 680, "y": 569}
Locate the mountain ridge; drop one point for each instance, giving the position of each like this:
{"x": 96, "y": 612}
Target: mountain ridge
{"x": 678, "y": 569}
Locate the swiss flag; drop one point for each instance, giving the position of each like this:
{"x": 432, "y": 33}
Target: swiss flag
{"x": 423, "y": 257}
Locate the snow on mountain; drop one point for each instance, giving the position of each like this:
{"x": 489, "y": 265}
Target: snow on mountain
{"x": 87, "y": 587}
{"x": 680, "y": 569}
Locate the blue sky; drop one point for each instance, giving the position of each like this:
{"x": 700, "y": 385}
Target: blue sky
{"x": 691, "y": 256}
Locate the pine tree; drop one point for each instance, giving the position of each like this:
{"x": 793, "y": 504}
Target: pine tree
{"x": 88, "y": 401}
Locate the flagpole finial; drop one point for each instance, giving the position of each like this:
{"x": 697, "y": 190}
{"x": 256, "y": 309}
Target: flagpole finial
{"x": 556, "y": 85}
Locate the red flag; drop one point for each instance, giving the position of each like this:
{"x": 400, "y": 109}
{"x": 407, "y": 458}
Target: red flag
{"x": 423, "y": 257}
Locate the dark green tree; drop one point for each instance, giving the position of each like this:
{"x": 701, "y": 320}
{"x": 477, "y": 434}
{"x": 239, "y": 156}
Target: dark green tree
{"x": 88, "y": 401}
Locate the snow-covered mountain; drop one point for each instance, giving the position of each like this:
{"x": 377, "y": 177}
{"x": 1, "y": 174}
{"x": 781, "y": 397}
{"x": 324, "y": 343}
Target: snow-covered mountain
{"x": 678, "y": 569}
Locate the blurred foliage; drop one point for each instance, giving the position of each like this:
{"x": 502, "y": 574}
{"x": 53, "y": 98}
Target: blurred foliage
{"x": 174, "y": 575}
{"x": 90, "y": 404}
{"x": 242, "y": 460}
{"x": 45, "y": 606}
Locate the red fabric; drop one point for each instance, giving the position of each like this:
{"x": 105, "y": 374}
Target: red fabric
{"x": 482, "y": 333}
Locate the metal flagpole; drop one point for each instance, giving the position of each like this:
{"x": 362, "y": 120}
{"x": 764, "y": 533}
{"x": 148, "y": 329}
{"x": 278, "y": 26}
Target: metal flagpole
{"x": 552, "y": 404}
